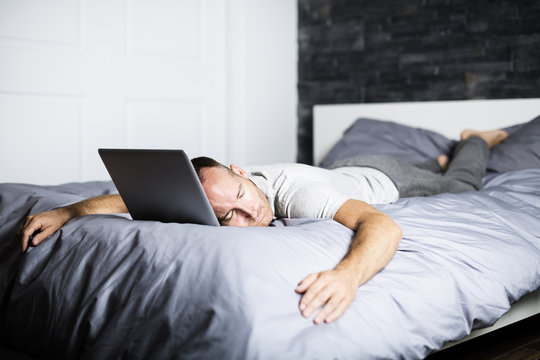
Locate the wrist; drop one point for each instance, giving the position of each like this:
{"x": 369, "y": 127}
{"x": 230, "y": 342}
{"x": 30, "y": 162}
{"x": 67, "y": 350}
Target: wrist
{"x": 69, "y": 212}
{"x": 354, "y": 271}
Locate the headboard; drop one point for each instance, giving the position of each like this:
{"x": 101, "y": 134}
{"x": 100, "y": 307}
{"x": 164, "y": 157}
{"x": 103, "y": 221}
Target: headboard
{"x": 445, "y": 117}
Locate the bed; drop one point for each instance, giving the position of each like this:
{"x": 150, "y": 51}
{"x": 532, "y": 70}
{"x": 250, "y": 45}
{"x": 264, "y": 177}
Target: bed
{"x": 446, "y": 118}
{"x": 105, "y": 286}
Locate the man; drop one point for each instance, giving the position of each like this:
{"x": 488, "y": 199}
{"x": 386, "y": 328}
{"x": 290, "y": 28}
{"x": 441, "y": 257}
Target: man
{"x": 256, "y": 197}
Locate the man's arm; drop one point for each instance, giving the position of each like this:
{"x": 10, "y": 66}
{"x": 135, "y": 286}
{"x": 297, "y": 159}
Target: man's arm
{"x": 46, "y": 223}
{"x": 373, "y": 246}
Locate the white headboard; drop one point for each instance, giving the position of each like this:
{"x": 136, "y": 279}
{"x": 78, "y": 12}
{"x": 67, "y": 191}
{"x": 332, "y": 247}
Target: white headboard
{"x": 445, "y": 117}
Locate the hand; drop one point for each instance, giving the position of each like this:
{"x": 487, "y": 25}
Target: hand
{"x": 45, "y": 223}
{"x": 333, "y": 289}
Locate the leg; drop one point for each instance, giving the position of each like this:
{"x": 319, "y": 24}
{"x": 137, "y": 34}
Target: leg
{"x": 409, "y": 179}
{"x": 470, "y": 158}
{"x": 433, "y": 165}
{"x": 468, "y": 166}
{"x": 464, "y": 173}
{"x": 491, "y": 137}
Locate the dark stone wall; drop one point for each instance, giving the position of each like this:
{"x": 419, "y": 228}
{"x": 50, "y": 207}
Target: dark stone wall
{"x": 353, "y": 51}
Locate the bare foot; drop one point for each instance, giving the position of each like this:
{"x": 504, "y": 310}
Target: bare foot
{"x": 492, "y": 137}
{"x": 443, "y": 161}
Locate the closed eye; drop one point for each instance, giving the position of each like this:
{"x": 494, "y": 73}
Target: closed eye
{"x": 241, "y": 192}
{"x": 228, "y": 216}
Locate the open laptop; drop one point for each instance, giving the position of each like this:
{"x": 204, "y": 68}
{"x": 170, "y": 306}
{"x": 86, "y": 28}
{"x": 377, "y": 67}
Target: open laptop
{"x": 159, "y": 185}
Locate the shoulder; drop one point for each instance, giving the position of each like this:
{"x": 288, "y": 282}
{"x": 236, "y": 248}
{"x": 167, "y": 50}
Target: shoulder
{"x": 289, "y": 169}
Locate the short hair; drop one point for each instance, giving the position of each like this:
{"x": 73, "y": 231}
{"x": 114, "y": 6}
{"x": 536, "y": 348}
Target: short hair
{"x": 202, "y": 162}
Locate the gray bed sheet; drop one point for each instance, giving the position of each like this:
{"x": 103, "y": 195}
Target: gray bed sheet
{"x": 107, "y": 287}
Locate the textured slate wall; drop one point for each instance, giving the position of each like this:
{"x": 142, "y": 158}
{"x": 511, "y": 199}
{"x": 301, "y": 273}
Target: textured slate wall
{"x": 354, "y": 51}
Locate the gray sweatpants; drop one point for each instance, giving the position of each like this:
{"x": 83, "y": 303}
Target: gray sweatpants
{"x": 464, "y": 173}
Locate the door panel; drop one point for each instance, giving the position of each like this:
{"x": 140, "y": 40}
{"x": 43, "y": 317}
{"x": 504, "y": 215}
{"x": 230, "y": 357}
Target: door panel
{"x": 79, "y": 75}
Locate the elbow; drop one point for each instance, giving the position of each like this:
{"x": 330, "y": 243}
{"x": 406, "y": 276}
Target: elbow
{"x": 392, "y": 233}
{"x": 397, "y": 234}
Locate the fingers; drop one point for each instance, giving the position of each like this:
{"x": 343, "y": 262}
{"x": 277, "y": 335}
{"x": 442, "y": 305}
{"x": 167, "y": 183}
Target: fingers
{"x": 30, "y": 226}
{"x": 306, "y": 283}
{"x": 39, "y": 227}
{"x": 327, "y": 297}
{"x": 315, "y": 296}
{"x": 332, "y": 311}
{"x": 44, "y": 234}
{"x": 328, "y": 289}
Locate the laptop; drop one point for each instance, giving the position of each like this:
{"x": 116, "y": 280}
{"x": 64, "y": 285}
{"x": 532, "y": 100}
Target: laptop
{"x": 159, "y": 185}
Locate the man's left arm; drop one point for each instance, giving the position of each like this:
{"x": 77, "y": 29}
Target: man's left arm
{"x": 373, "y": 246}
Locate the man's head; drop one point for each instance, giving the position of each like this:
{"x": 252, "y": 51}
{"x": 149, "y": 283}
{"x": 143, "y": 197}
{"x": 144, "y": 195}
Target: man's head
{"x": 235, "y": 199}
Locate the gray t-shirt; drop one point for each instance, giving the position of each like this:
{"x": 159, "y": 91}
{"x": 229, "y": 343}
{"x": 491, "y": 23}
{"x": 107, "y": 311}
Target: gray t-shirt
{"x": 303, "y": 191}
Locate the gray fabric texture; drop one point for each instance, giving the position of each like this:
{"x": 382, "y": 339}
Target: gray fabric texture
{"x": 465, "y": 171}
{"x": 303, "y": 191}
{"x": 521, "y": 150}
{"x": 381, "y": 137}
{"x": 107, "y": 287}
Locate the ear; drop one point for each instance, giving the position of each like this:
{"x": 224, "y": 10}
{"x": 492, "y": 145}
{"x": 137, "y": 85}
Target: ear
{"x": 238, "y": 171}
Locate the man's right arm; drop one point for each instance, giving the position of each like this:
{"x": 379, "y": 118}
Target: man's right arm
{"x": 45, "y": 224}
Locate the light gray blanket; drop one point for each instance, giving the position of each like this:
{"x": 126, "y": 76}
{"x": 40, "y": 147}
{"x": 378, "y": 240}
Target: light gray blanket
{"x": 107, "y": 287}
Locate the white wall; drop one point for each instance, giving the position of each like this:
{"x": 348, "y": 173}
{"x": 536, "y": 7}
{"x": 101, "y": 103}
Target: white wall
{"x": 213, "y": 77}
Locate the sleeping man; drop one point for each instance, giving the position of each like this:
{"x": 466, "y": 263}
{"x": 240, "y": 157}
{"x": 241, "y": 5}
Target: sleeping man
{"x": 254, "y": 197}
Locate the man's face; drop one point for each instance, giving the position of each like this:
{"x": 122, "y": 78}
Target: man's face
{"x": 235, "y": 199}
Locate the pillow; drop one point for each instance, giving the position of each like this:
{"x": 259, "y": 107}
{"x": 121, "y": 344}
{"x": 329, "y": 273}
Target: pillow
{"x": 520, "y": 150}
{"x": 380, "y": 137}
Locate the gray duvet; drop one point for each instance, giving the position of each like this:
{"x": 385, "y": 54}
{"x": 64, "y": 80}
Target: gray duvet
{"x": 107, "y": 287}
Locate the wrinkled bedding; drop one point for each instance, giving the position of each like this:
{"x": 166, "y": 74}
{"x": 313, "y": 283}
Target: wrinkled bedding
{"x": 105, "y": 286}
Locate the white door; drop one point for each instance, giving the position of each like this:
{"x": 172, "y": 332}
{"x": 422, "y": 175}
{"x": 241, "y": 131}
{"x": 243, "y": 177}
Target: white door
{"x": 78, "y": 75}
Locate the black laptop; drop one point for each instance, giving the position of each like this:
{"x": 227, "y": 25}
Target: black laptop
{"x": 159, "y": 185}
